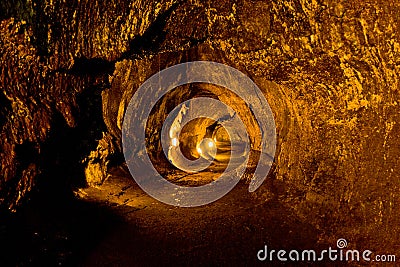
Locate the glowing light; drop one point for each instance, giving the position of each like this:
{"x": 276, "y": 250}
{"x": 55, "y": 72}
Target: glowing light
{"x": 210, "y": 144}
{"x": 199, "y": 150}
{"x": 174, "y": 142}
{"x": 172, "y": 132}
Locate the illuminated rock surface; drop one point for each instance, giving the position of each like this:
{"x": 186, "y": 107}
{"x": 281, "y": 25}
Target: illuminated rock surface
{"x": 329, "y": 70}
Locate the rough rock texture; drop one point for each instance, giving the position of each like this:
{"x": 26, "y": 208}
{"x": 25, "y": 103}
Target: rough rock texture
{"x": 335, "y": 102}
{"x": 51, "y": 51}
{"x": 31, "y": 95}
{"x": 333, "y": 64}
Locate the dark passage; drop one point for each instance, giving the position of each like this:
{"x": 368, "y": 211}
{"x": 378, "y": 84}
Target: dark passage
{"x": 328, "y": 69}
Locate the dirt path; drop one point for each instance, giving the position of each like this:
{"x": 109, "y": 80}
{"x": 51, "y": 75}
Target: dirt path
{"x": 229, "y": 231}
{"x": 117, "y": 224}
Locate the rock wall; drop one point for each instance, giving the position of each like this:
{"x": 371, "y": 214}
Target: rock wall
{"x": 51, "y": 52}
{"x": 329, "y": 70}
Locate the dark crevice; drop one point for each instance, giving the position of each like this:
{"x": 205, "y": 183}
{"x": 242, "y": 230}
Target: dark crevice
{"x": 5, "y": 108}
{"x": 40, "y": 27}
{"x": 151, "y": 40}
{"x": 66, "y": 147}
{"x": 25, "y": 153}
{"x": 94, "y": 66}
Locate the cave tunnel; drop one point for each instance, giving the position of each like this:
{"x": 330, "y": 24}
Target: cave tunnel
{"x": 108, "y": 158}
{"x": 190, "y": 136}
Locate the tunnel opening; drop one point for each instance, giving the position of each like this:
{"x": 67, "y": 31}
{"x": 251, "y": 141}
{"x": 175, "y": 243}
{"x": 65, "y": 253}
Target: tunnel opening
{"x": 327, "y": 69}
{"x": 212, "y": 132}
{"x": 200, "y": 137}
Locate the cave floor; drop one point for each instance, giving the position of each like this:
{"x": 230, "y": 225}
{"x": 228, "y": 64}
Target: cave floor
{"x": 117, "y": 224}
